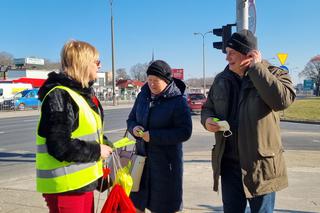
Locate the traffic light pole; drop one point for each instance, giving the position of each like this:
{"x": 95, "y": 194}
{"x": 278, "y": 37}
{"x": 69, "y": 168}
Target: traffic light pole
{"x": 225, "y": 33}
{"x": 242, "y": 23}
{"x": 204, "y": 68}
{"x": 242, "y": 15}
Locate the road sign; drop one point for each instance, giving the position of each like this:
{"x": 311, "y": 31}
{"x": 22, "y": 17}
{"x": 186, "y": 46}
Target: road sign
{"x": 284, "y": 67}
{"x": 282, "y": 57}
{"x": 308, "y": 84}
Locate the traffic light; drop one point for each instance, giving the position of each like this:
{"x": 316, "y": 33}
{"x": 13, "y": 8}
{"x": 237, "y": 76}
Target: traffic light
{"x": 225, "y": 32}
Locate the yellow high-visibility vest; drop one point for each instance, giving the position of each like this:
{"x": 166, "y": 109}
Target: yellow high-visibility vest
{"x": 54, "y": 176}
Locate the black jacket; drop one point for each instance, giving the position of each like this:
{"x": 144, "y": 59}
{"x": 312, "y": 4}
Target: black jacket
{"x": 168, "y": 120}
{"x": 59, "y": 118}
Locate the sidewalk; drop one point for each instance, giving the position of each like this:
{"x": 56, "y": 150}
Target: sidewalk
{"x": 303, "y": 195}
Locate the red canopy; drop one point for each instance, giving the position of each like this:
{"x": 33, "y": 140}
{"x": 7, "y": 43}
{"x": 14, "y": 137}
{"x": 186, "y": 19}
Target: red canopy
{"x": 36, "y": 82}
{"x": 129, "y": 83}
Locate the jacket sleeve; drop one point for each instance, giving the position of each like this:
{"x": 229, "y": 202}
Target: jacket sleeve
{"x": 181, "y": 130}
{"x": 216, "y": 104}
{"x": 59, "y": 118}
{"x": 275, "y": 87}
{"x": 131, "y": 121}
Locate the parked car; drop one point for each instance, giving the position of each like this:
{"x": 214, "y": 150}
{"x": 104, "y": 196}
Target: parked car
{"x": 195, "y": 101}
{"x": 7, "y": 104}
{"x": 27, "y": 99}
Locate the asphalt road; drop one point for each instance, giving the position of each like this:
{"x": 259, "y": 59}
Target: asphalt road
{"x": 17, "y": 138}
{"x": 17, "y": 134}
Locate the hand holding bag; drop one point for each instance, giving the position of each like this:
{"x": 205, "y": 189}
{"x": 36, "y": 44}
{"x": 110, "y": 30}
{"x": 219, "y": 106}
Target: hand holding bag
{"x": 136, "y": 167}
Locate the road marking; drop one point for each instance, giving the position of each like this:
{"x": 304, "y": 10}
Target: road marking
{"x": 316, "y": 141}
{"x": 18, "y": 152}
{"x": 115, "y": 130}
{"x": 2, "y": 132}
{"x": 30, "y": 120}
{"x": 299, "y": 133}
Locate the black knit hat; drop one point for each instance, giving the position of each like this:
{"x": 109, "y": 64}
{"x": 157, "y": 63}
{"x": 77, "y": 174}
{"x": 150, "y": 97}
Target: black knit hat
{"x": 243, "y": 41}
{"x": 160, "y": 69}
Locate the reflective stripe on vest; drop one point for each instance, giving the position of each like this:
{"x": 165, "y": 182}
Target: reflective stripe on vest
{"x": 54, "y": 176}
{"x": 42, "y": 148}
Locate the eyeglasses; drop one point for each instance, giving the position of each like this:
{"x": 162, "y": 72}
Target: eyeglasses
{"x": 97, "y": 62}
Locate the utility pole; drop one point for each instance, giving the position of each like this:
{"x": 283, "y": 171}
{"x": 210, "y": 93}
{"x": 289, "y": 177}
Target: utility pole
{"x": 242, "y": 15}
{"x": 114, "y": 101}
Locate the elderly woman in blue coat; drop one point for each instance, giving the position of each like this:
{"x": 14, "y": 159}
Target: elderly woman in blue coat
{"x": 160, "y": 120}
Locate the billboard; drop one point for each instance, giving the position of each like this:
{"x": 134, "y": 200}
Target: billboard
{"x": 178, "y": 73}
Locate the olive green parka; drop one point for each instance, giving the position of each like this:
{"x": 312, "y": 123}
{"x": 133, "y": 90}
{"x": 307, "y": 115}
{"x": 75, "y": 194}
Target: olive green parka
{"x": 265, "y": 91}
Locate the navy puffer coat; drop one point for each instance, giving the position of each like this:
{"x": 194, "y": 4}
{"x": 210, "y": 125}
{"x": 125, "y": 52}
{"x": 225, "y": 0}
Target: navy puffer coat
{"x": 168, "y": 120}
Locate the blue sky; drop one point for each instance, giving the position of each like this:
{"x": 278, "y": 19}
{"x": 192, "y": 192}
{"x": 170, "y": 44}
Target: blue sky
{"x": 40, "y": 28}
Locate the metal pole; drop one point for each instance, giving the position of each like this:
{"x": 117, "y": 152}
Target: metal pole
{"x": 203, "y": 60}
{"x": 242, "y": 15}
{"x": 114, "y": 101}
{"x": 203, "y": 66}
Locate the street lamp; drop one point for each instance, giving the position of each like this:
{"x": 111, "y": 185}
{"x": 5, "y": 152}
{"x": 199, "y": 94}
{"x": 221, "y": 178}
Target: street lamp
{"x": 112, "y": 53}
{"x": 203, "y": 60}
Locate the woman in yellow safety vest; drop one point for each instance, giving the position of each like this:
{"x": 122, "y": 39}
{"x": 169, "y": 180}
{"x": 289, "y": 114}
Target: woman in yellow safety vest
{"x": 70, "y": 136}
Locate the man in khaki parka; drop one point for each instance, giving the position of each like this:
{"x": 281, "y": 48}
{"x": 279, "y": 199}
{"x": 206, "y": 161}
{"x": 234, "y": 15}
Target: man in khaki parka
{"x": 248, "y": 94}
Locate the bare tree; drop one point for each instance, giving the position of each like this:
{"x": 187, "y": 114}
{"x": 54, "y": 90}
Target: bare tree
{"x": 6, "y": 59}
{"x": 198, "y": 82}
{"x": 122, "y": 74}
{"x": 312, "y": 71}
{"x": 138, "y": 71}
{"x": 49, "y": 65}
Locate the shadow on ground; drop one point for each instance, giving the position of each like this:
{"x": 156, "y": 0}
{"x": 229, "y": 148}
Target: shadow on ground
{"x": 209, "y": 209}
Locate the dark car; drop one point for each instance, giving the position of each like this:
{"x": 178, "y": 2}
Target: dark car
{"x": 195, "y": 101}
{"x": 7, "y": 104}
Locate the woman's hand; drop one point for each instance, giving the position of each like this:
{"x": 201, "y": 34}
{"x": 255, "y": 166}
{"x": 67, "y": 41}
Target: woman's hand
{"x": 105, "y": 151}
{"x": 138, "y": 131}
{"x": 146, "y": 136}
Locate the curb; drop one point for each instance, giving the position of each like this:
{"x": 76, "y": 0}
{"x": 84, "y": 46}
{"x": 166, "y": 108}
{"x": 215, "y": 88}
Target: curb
{"x": 303, "y": 122}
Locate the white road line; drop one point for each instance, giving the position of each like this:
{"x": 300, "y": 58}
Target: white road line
{"x": 21, "y": 152}
{"x": 299, "y": 133}
{"x": 316, "y": 141}
{"x": 115, "y": 130}
{"x": 30, "y": 120}
{"x": 2, "y": 132}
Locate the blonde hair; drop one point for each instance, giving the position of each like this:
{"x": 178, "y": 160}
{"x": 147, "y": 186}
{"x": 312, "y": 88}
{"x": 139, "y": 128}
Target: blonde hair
{"x": 76, "y": 57}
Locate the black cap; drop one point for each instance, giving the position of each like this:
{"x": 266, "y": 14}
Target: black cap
{"x": 160, "y": 69}
{"x": 243, "y": 41}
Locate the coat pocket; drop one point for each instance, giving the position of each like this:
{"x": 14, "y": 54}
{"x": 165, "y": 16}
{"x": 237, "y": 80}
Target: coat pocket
{"x": 271, "y": 164}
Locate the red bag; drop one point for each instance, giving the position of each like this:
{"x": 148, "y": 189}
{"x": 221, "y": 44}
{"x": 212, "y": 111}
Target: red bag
{"x": 118, "y": 202}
